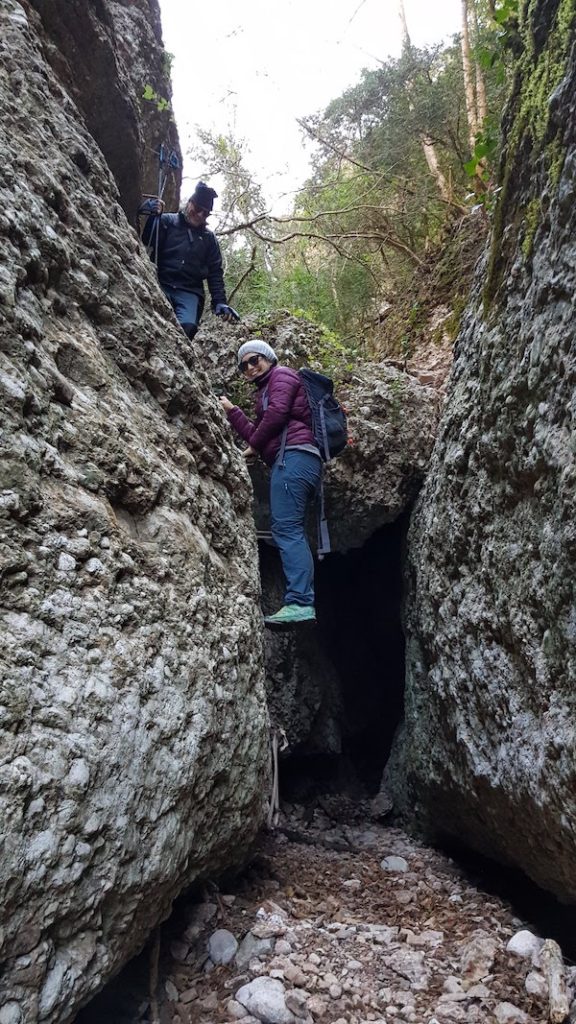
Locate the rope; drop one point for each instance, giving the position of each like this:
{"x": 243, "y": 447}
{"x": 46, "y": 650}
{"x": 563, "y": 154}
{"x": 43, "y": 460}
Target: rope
{"x": 279, "y": 743}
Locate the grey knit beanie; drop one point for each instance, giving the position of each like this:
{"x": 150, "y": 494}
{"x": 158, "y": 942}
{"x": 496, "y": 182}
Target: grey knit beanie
{"x": 257, "y": 346}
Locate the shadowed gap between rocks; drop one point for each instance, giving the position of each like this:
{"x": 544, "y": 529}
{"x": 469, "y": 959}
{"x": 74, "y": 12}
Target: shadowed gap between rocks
{"x": 336, "y": 689}
{"x": 548, "y": 917}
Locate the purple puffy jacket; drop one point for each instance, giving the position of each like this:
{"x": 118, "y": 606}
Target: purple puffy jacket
{"x": 287, "y": 404}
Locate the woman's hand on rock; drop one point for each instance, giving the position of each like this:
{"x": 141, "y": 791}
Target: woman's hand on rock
{"x": 226, "y": 403}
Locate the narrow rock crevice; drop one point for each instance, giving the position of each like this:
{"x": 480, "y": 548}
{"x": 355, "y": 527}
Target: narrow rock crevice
{"x": 336, "y": 690}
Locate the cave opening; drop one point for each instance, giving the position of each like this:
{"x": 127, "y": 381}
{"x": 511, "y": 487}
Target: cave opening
{"x": 355, "y": 655}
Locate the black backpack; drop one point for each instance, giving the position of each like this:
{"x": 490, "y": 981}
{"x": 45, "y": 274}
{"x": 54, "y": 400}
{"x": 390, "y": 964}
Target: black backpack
{"x": 329, "y": 424}
{"x": 330, "y": 431}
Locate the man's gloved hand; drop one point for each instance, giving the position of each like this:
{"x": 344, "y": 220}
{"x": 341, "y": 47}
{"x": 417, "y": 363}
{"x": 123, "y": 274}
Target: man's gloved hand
{"x": 226, "y": 312}
{"x": 152, "y": 206}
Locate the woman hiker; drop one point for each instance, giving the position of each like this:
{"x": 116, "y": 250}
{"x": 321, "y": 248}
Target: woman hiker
{"x": 282, "y": 435}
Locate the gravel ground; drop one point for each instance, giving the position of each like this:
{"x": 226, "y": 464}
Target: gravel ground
{"x": 346, "y": 923}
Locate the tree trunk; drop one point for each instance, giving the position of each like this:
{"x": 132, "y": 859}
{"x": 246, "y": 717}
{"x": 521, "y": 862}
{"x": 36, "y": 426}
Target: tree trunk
{"x": 481, "y": 101}
{"x": 469, "y": 91}
{"x": 434, "y": 167}
{"x": 406, "y": 42}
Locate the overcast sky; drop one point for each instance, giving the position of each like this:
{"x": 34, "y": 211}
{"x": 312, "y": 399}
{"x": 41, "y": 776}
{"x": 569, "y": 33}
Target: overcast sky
{"x": 254, "y": 66}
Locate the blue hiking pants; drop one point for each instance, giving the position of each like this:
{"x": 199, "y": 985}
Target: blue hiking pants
{"x": 293, "y": 484}
{"x": 187, "y": 306}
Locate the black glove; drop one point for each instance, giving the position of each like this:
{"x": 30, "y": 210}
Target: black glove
{"x": 151, "y": 206}
{"x": 229, "y": 314}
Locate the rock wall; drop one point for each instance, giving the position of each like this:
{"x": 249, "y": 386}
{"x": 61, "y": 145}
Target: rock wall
{"x": 105, "y": 53}
{"x": 133, "y": 730}
{"x": 488, "y": 750}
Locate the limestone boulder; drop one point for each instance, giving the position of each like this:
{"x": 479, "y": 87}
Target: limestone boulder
{"x": 488, "y": 750}
{"x": 133, "y": 729}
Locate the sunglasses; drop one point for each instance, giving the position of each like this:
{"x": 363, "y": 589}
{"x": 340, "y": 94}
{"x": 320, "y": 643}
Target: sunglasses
{"x": 251, "y": 361}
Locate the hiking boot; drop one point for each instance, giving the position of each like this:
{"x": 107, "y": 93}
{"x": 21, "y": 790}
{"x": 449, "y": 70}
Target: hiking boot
{"x": 291, "y": 614}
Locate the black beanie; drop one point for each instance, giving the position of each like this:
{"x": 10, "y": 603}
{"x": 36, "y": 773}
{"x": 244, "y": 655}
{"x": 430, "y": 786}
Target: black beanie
{"x": 204, "y": 196}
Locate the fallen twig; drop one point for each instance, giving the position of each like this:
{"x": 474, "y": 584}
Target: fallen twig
{"x": 553, "y": 969}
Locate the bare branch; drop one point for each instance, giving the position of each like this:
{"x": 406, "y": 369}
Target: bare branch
{"x": 394, "y": 243}
{"x": 329, "y": 145}
{"x": 247, "y": 272}
{"x": 359, "y": 8}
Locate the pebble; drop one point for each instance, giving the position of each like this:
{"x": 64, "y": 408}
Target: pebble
{"x": 478, "y": 956}
{"x": 452, "y": 984}
{"x": 171, "y": 990}
{"x": 296, "y": 976}
{"x": 265, "y": 998}
{"x": 317, "y": 1006}
{"x": 222, "y": 946}
{"x": 524, "y": 944}
{"x": 252, "y": 947}
{"x": 507, "y": 1013}
{"x": 394, "y": 864}
{"x": 297, "y": 1001}
{"x": 535, "y": 985}
{"x": 282, "y": 948}
{"x": 235, "y": 1009}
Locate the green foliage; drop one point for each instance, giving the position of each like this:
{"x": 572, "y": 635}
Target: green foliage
{"x": 397, "y": 389}
{"x": 152, "y": 96}
{"x": 485, "y": 150}
{"x": 392, "y": 173}
{"x": 532, "y": 131}
{"x": 167, "y": 62}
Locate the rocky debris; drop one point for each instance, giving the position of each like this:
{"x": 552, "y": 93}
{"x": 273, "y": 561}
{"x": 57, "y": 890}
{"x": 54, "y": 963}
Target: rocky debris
{"x": 490, "y": 621}
{"x": 416, "y": 947}
{"x": 133, "y": 726}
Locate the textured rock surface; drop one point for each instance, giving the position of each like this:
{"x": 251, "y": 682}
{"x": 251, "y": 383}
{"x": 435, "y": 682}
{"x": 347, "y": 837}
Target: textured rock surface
{"x": 105, "y": 53}
{"x": 302, "y": 682}
{"x": 132, "y": 721}
{"x": 488, "y": 751}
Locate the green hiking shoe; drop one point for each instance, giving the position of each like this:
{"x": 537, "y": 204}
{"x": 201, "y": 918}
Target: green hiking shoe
{"x": 291, "y": 614}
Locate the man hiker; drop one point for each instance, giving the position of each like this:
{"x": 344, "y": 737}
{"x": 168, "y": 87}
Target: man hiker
{"x": 186, "y": 254}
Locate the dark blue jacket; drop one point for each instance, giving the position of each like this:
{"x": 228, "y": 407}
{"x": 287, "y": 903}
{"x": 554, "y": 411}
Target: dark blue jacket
{"x": 186, "y": 256}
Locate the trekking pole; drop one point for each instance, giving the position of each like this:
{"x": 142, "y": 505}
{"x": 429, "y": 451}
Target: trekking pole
{"x": 161, "y": 185}
{"x": 166, "y": 164}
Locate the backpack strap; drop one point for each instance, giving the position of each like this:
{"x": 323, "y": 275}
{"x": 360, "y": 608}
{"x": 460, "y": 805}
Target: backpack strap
{"x": 324, "y": 547}
{"x": 321, "y": 412}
